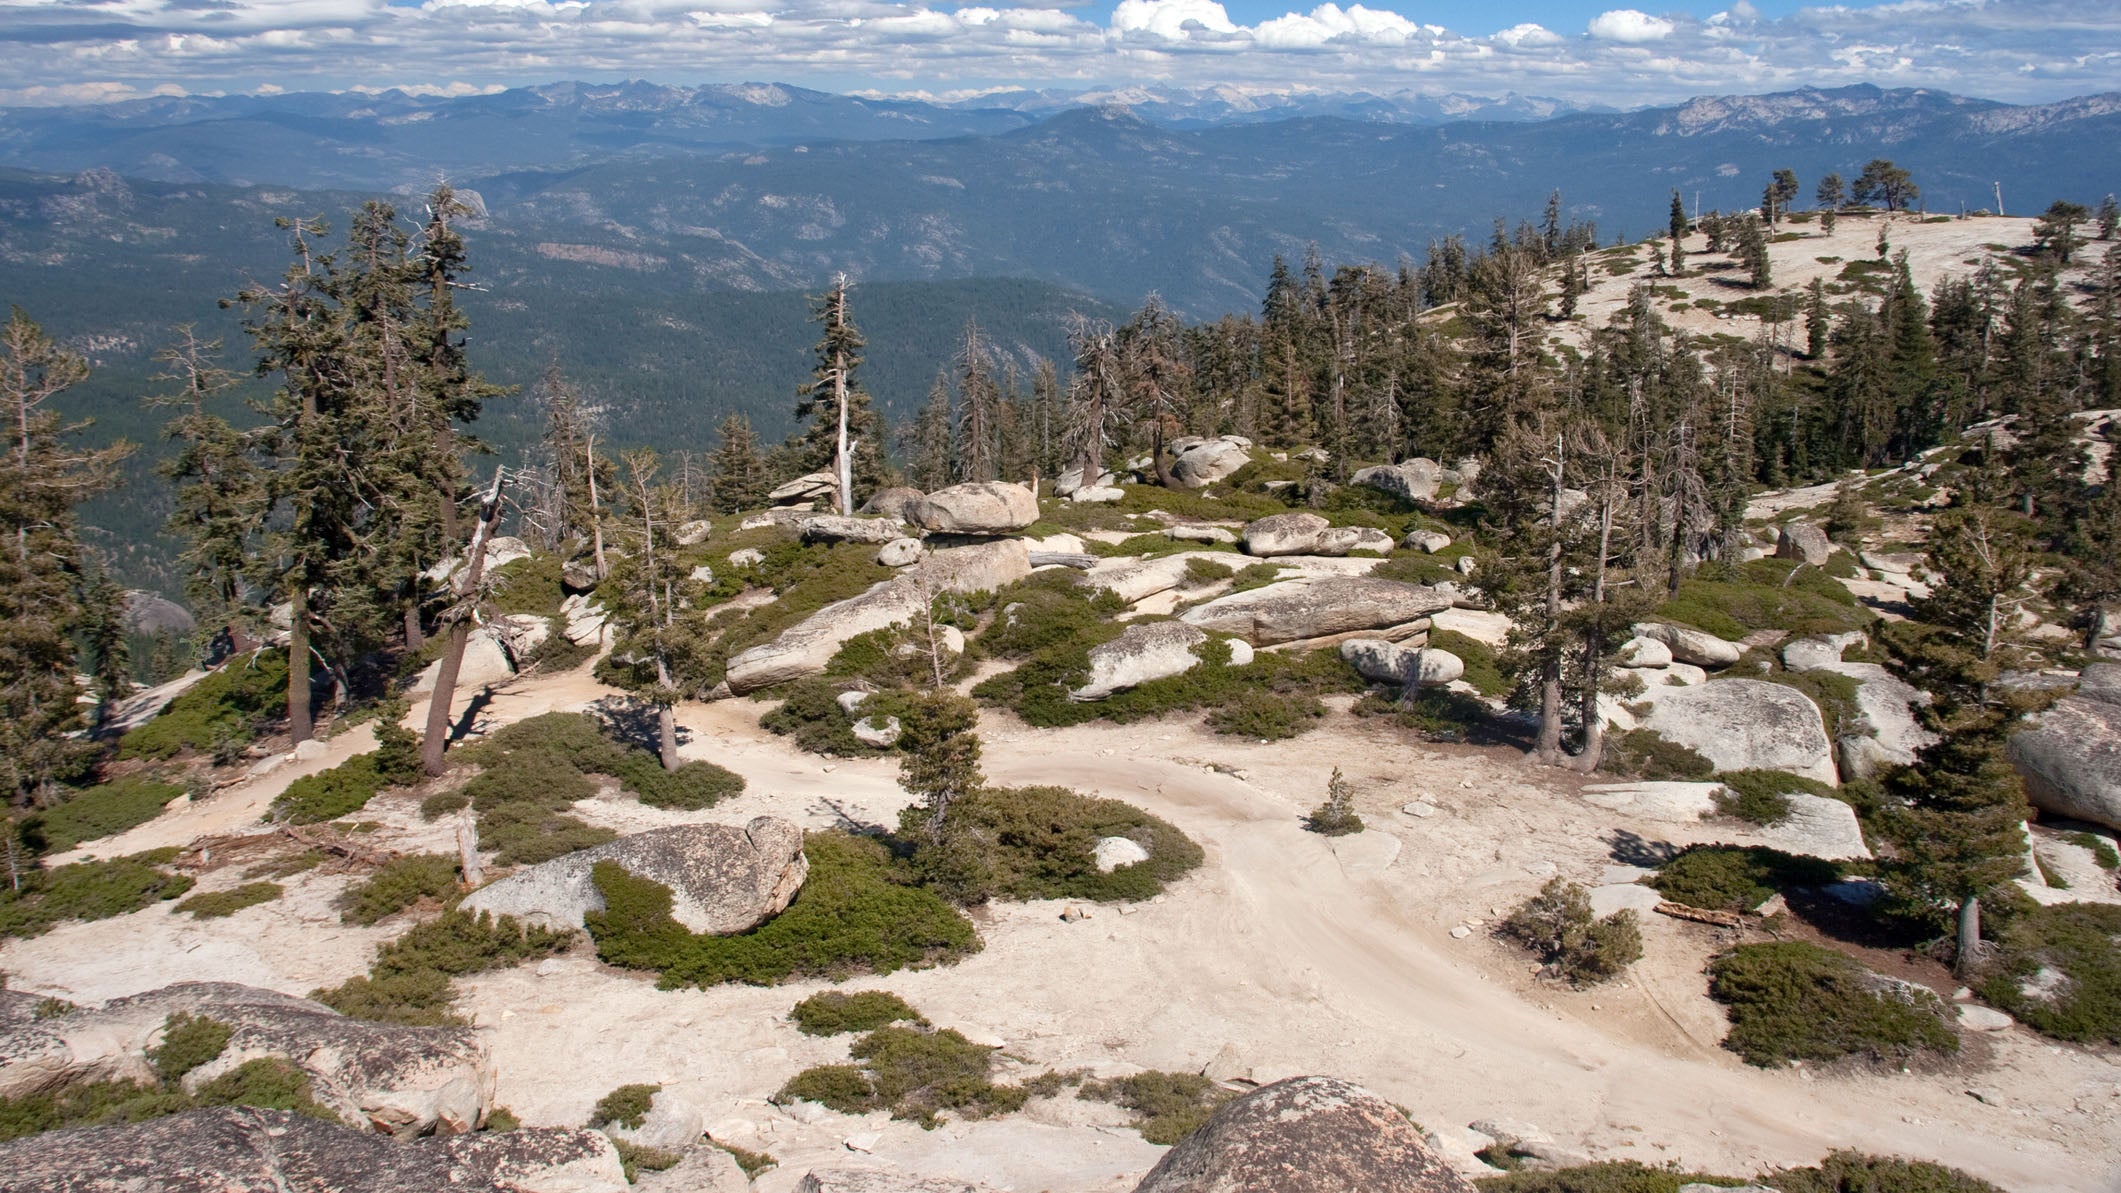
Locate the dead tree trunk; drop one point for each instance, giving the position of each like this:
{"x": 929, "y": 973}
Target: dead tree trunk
{"x": 459, "y": 617}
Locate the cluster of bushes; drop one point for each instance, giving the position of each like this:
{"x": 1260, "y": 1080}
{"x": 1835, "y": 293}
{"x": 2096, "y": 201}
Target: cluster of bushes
{"x": 804, "y": 577}
{"x": 2075, "y": 944}
{"x": 533, "y": 771}
{"x": 1762, "y": 796}
{"x": 88, "y": 891}
{"x": 1737, "y": 877}
{"x": 1436, "y": 713}
{"x": 1839, "y": 1172}
{"x": 347, "y": 787}
{"x": 398, "y": 884}
{"x": 1731, "y": 601}
{"x": 221, "y": 713}
{"x": 212, "y": 905}
{"x": 1647, "y": 754}
{"x": 1167, "y": 1106}
{"x": 835, "y": 1013}
{"x": 912, "y": 1072}
{"x": 855, "y": 912}
{"x": 810, "y": 714}
{"x": 1557, "y": 925}
{"x": 268, "y": 1082}
{"x": 409, "y": 981}
{"x": 1792, "y": 1000}
{"x": 627, "y": 1107}
{"x": 98, "y": 812}
{"x": 1040, "y": 843}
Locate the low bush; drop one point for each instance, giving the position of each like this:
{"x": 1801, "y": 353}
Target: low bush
{"x": 835, "y": 1013}
{"x": 188, "y": 1041}
{"x": 1764, "y": 594}
{"x": 753, "y": 1163}
{"x": 557, "y": 653}
{"x": 1049, "y": 611}
{"x": 1040, "y": 843}
{"x": 212, "y": 905}
{"x": 1792, "y": 1000}
{"x": 1438, "y": 714}
{"x": 398, "y": 884}
{"x": 2073, "y": 947}
{"x": 227, "y": 707}
{"x": 1855, "y": 1172}
{"x": 1483, "y": 666}
{"x": 1202, "y": 572}
{"x": 409, "y": 981}
{"x": 1275, "y": 696}
{"x": 853, "y": 914}
{"x": 529, "y": 585}
{"x": 1335, "y": 817}
{"x": 811, "y": 715}
{"x": 1557, "y": 925}
{"x": 330, "y": 794}
{"x": 1646, "y": 754}
{"x": 1737, "y": 877}
{"x": 2103, "y": 851}
{"x": 912, "y": 1073}
{"x": 1254, "y": 575}
{"x": 270, "y": 1083}
{"x": 634, "y": 1158}
{"x": 88, "y": 891}
{"x": 1607, "y": 1176}
{"x": 1266, "y": 716}
{"x": 627, "y": 1106}
{"x": 1167, "y": 1106}
{"x": 98, "y": 812}
{"x": 1762, "y": 796}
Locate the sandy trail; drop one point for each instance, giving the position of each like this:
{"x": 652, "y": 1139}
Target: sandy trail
{"x": 1286, "y": 953}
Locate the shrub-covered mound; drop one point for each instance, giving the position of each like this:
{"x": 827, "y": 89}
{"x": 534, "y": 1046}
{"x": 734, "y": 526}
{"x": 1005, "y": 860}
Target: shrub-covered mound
{"x": 835, "y": 1013}
{"x": 534, "y": 770}
{"x": 2060, "y": 972}
{"x": 1790, "y": 1000}
{"x": 98, "y": 812}
{"x": 1737, "y": 877}
{"x": 88, "y": 891}
{"x": 1839, "y": 1172}
{"x": 1040, "y": 843}
{"x": 914, "y": 1073}
{"x": 1167, "y": 1106}
{"x": 855, "y": 912}
{"x": 212, "y": 905}
{"x": 1762, "y": 796}
{"x": 810, "y": 713}
{"x": 409, "y": 981}
{"x": 398, "y": 884}
{"x": 1765, "y": 594}
{"x": 224, "y": 710}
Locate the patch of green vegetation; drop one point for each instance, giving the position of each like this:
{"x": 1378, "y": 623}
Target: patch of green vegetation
{"x": 330, "y": 794}
{"x": 804, "y": 577}
{"x": 1275, "y": 696}
{"x": 835, "y": 1013}
{"x": 212, "y": 905}
{"x": 530, "y": 585}
{"x": 753, "y": 1163}
{"x": 1557, "y": 925}
{"x": 1483, "y": 668}
{"x": 1254, "y": 575}
{"x": 188, "y": 1041}
{"x": 1606, "y": 1176}
{"x": 914, "y": 1074}
{"x": 270, "y": 1083}
{"x": 1792, "y": 1000}
{"x": 225, "y": 710}
{"x": 1854, "y": 1172}
{"x": 88, "y": 891}
{"x": 1202, "y": 572}
{"x": 1762, "y": 796}
{"x": 1647, "y": 754}
{"x": 501, "y": 1120}
{"x": 1737, "y": 877}
{"x": 1764, "y": 594}
{"x": 1047, "y": 612}
{"x": 1167, "y": 1106}
{"x": 1437, "y": 713}
{"x": 1336, "y": 816}
{"x": 855, "y": 913}
{"x": 2075, "y": 943}
{"x": 98, "y": 812}
{"x": 1040, "y": 843}
{"x": 398, "y": 884}
{"x": 627, "y": 1106}
{"x": 2102, "y": 849}
{"x": 409, "y": 981}
{"x": 635, "y": 1158}
{"x": 810, "y": 714}
{"x": 557, "y": 653}
{"x": 1420, "y": 567}
{"x": 52, "y": 1008}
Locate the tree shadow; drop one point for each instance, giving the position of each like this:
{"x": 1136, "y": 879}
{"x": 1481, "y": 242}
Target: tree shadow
{"x": 469, "y": 718}
{"x": 632, "y": 720}
{"x": 1634, "y": 849}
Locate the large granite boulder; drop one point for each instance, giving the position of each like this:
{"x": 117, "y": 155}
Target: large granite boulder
{"x": 394, "y": 1080}
{"x": 1148, "y": 650}
{"x": 486, "y": 661}
{"x": 2071, "y": 757}
{"x": 1132, "y": 577}
{"x": 722, "y": 878}
{"x": 1415, "y": 480}
{"x": 1305, "y": 1135}
{"x": 815, "y": 486}
{"x": 1689, "y": 645}
{"x": 1803, "y": 542}
{"x": 975, "y": 566}
{"x": 893, "y": 502}
{"x": 245, "y": 1150}
{"x": 976, "y": 507}
{"x": 832, "y": 528}
{"x": 1210, "y": 461}
{"x": 1284, "y": 534}
{"x": 1340, "y": 540}
{"x": 1313, "y": 608}
{"x": 1746, "y": 724}
{"x": 1389, "y": 662}
{"x": 151, "y": 613}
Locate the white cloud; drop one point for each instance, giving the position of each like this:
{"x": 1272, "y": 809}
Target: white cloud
{"x": 1172, "y": 20}
{"x": 1630, "y": 26}
{"x": 1528, "y": 35}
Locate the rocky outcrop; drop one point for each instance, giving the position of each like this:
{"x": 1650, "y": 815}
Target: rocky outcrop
{"x": 878, "y": 733}
{"x": 976, "y": 507}
{"x": 1644, "y": 652}
{"x": 1211, "y": 460}
{"x": 695, "y": 532}
{"x": 880, "y": 1180}
{"x": 672, "y": 1124}
{"x": 1415, "y": 480}
{"x": 1193, "y": 532}
{"x": 486, "y": 661}
{"x": 1146, "y": 651}
{"x": 1886, "y": 731}
{"x": 394, "y": 1080}
{"x": 1305, "y": 1135}
{"x": 148, "y": 613}
{"x": 1689, "y": 645}
{"x": 245, "y": 1150}
{"x": 1113, "y": 852}
{"x": 1428, "y": 541}
{"x": 832, "y": 528}
{"x": 976, "y": 566}
{"x": 815, "y": 486}
{"x": 1341, "y": 540}
{"x": 1746, "y": 724}
{"x": 1389, "y": 662}
{"x": 899, "y": 552}
{"x": 2071, "y": 758}
{"x": 1132, "y": 578}
{"x": 722, "y": 878}
{"x": 893, "y": 502}
{"x": 1804, "y": 543}
{"x": 1313, "y": 608}
{"x": 1284, "y": 534}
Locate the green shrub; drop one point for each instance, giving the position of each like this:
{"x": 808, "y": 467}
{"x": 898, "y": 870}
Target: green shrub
{"x": 1646, "y": 754}
{"x": 810, "y": 714}
{"x": 1854, "y": 1172}
{"x": 398, "y": 884}
{"x": 1731, "y": 602}
{"x": 188, "y": 1041}
{"x": 1267, "y": 716}
{"x": 269, "y": 1083}
{"x": 330, "y": 794}
{"x": 2078, "y": 942}
{"x": 691, "y": 787}
{"x": 844, "y": 1088}
{"x": 835, "y": 1013}
{"x": 99, "y": 812}
{"x": 228, "y": 706}
{"x": 1167, "y": 1106}
{"x": 753, "y": 1163}
{"x": 501, "y": 1120}
{"x": 1202, "y": 572}
{"x": 634, "y": 1157}
{"x": 1437, "y": 713}
{"x": 1737, "y": 877}
{"x": 1557, "y": 924}
{"x": 1040, "y": 843}
{"x": 2102, "y": 849}
{"x": 1336, "y": 816}
{"x": 1762, "y": 796}
{"x": 1274, "y": 696}
{"x": 1607, "y": 1176}
{"x": 212, "y": 905}
{"x": 1048, "y": 611}
{"x": 1483, "y": 669}
{"x": 530, "y": 585}
{"x": 853, "y": 914}
{"x": 1254, "y": 575}
{"x": 1791, "y": 1000}
{"x": 409, "y": 981}
{"x": 557, "y": 653}
{"x": 913, "y": 1073}
{"x": 88, "y": 891}
{"x": 627, "y": 1106}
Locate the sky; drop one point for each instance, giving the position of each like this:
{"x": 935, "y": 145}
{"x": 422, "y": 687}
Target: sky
{"x": 69, "y": 51}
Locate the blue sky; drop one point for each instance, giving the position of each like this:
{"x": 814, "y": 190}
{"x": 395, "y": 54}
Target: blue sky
{"x": 1625, "y": 55}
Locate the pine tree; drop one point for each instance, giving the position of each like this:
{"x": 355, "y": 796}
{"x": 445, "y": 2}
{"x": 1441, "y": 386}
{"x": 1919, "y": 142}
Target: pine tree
{"x": 2055, "y": 233}
{"x": 1096, "y": 396}
{"x": 106, "y": 655}
{"x": 1678, "y": 225}
{"x": 1888, "y": 184}
{"x": 739, "y": 471}
{"x": 843, "y": 433}
{"x": 651, "y": 590}
{"x": 978, "y": 452}
{"x": 218, "y": 487}
{"x": 2091, "y": 577}
{"x": 1817, "y": 324}
{"x": 927, "y": 439}
{"x": 2108, "y": 216}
